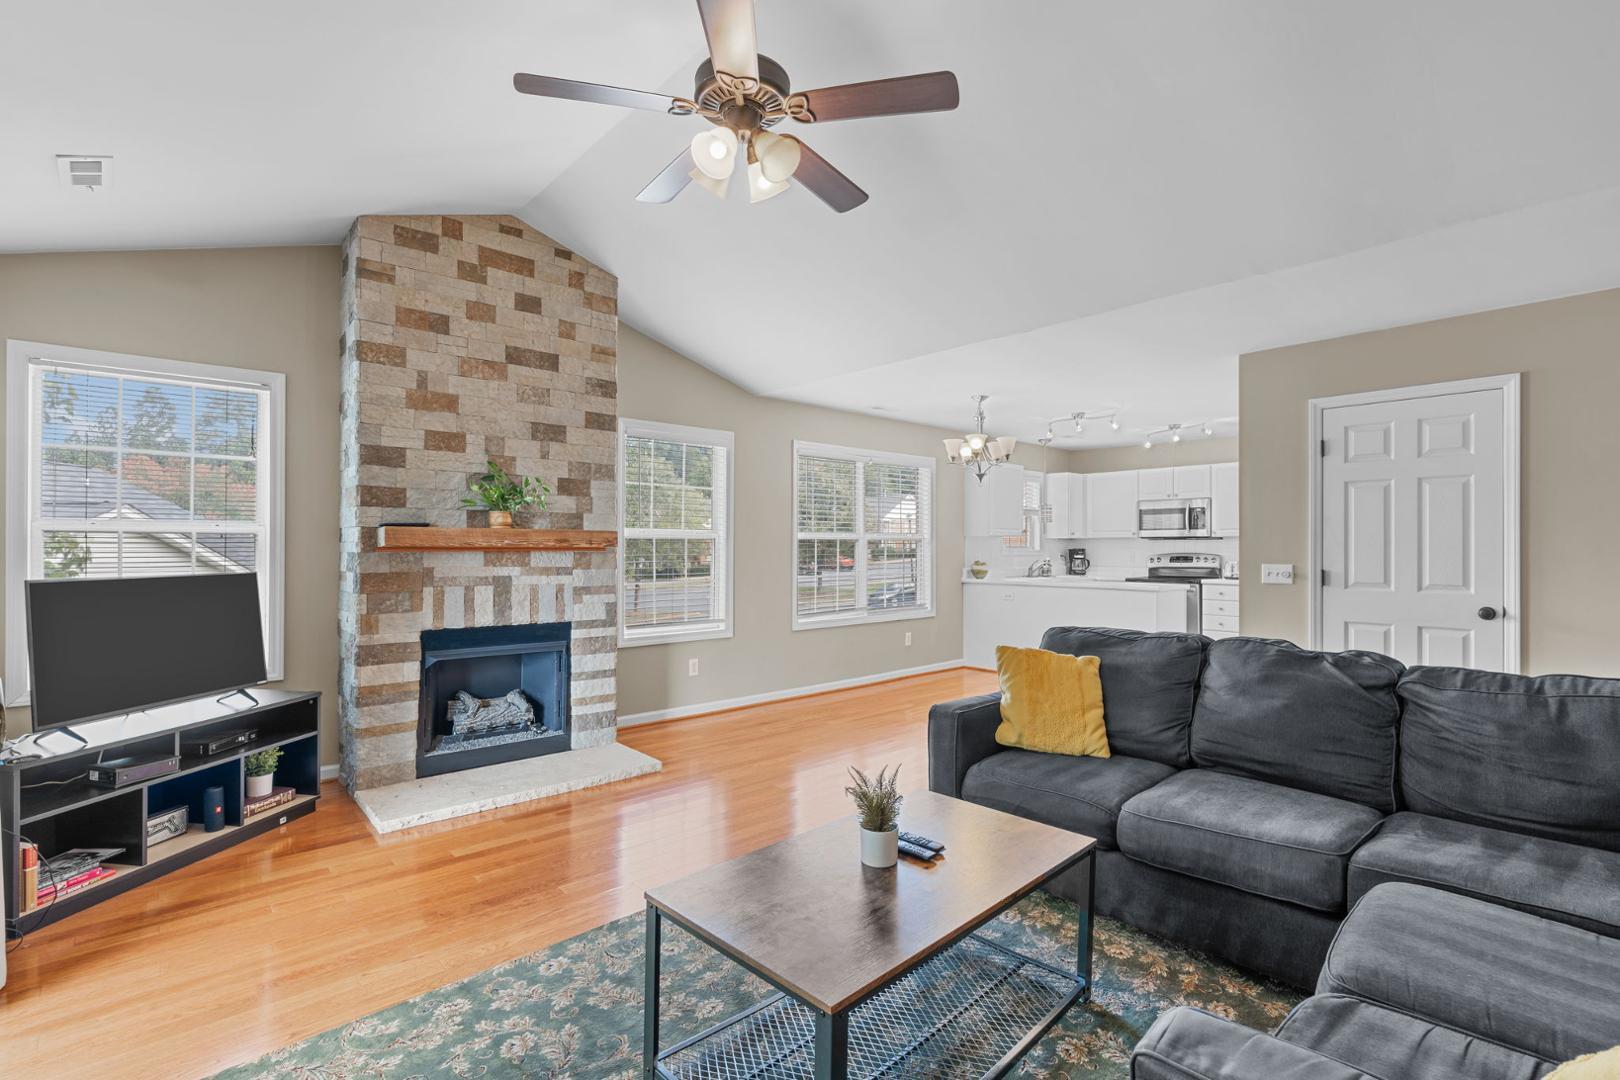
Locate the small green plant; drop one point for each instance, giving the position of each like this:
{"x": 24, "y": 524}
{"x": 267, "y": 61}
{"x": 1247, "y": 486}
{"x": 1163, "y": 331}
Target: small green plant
{"x": 263, "y": 762}
{"x": 878, "y": 801}
{"x": 495, "y": 490}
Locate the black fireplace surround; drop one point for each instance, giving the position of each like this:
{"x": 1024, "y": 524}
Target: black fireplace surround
{"x": 488, "y": 662}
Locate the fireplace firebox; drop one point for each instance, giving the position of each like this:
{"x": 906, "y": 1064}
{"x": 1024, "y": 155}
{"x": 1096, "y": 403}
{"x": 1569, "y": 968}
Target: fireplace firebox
{"x": 492, "y": 694}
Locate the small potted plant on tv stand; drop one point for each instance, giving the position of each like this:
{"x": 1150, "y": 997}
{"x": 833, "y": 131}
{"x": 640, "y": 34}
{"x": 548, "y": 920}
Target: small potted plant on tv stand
{"x": 261, "y": 771}
{"x": 501, "y": 494}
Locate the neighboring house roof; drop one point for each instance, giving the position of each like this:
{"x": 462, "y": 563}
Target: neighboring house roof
{"x": 94, "y": 494}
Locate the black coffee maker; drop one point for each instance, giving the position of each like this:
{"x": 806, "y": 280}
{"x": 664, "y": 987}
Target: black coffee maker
{"x": 1078, "y": 563}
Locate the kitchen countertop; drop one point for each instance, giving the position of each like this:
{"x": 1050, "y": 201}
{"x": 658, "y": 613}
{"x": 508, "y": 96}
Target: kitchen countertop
{"x": 1072, "y": 581}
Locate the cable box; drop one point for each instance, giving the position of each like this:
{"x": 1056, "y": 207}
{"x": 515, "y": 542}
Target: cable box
{"x": 121, "y": 772}
{"x": 209, "y": 745}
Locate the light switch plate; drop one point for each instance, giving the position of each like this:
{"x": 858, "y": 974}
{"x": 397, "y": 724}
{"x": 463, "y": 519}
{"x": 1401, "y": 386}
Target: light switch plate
{"x": 1276, "y": 573}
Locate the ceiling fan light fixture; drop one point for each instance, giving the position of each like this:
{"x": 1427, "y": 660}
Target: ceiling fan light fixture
{"x": 715, "y": 187}
{"x": 761, "y": 186}
{"x": 714, "y": 152}
{"x": 778, "y": 155}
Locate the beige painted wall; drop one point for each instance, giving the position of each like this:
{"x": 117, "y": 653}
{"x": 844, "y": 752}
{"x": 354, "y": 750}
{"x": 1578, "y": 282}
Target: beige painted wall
{"x": 765, "y": 654}
{"x": 275, "y": 309}
{"x": 1192, "y": 451}
{"x": 1569, "y": 353}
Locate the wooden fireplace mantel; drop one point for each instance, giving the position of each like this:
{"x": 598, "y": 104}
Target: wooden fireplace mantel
{"x": 434, "y": 538}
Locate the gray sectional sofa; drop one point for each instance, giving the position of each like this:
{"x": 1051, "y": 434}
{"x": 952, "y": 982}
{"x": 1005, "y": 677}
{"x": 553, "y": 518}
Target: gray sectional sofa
{"x": 1257, "y": 790}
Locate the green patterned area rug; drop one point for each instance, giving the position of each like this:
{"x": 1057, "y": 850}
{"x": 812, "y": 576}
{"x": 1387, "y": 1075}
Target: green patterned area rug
{"x": 574, "y": 1010}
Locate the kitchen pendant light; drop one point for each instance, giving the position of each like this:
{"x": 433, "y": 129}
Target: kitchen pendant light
{"x": 976, "y": 451}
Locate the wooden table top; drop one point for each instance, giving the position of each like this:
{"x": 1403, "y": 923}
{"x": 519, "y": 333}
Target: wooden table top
{"x": 807, "y": 912}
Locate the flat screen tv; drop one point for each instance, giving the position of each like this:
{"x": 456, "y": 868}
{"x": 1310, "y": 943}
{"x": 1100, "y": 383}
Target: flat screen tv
{"x": 103, "y": 646}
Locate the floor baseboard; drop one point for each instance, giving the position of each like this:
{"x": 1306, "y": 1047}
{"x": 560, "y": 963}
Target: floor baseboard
{"x": 703, "y": 708}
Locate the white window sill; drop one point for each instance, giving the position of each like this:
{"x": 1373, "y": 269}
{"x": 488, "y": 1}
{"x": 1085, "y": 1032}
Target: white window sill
{"x": 896, "y": 615}
{"x": 671, "y": 637}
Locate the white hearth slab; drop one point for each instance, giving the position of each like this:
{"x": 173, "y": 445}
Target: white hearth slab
{"x": 436, "y": 798}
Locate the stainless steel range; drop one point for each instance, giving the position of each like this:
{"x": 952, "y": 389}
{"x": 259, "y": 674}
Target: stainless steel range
{"x": 1184, "y": 568}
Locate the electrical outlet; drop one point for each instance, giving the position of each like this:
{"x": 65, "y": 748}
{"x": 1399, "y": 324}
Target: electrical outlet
{"x": 692, "y": 666}
{"x": 908, "y": 637}
{"x": 1276, "y": 573}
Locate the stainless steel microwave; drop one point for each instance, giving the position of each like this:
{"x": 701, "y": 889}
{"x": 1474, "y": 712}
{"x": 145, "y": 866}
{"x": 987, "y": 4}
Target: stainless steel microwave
{"x": 1172, "y": 519}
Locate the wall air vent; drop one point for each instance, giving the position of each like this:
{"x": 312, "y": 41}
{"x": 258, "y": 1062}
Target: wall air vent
{"x": 85, "y": 171}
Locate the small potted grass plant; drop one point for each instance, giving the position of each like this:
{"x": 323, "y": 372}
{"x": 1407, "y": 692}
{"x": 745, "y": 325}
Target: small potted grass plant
{"x": 261, "y": 771}
{"x": 877, "y": 802}
{"x": 501, "y": 494}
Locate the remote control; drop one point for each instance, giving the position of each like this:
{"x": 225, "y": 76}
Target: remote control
{"x": 917, "y": 852}
{"x": 921, "y": 841}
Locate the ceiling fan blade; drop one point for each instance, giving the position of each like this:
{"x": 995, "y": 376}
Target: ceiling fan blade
{"x": 729, "y": 26}
{"x": 671, "y": 182}
{"x": 546, "y": 86}
{"x": 827, "y": 183}
{"x": 934, "y": 92}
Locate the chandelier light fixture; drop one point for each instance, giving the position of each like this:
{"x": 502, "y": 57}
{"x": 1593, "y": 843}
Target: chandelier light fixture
{"x": 976, "y": 451}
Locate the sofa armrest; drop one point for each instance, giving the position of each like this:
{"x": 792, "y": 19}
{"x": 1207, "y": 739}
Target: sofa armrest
{"x": 1190, "y": 1044}
{"x": 960, "y": 733}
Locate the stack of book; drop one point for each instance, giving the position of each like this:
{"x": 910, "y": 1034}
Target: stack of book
{"x": 45, "y": 881}
{"x": 279, "y": 796}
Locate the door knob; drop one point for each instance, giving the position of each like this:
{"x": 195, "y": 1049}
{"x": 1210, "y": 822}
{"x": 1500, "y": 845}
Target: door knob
{"x": 1487, "y": 613}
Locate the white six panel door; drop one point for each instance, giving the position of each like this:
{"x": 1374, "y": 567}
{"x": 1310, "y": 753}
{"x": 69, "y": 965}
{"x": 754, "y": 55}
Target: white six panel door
{"x": 1413, "y": 505}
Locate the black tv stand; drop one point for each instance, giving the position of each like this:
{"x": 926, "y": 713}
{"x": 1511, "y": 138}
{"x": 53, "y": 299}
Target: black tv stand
{"x": 234, "y": 693}
{"x": 47, "y": 799}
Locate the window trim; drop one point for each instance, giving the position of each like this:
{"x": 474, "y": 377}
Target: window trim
{"x": 21, "y": 432}
{"x": 726, "y": 440}
{"x": 861, "y": 616}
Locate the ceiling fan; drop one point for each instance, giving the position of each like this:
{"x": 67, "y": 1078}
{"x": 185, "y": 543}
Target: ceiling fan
{"x": 744, "y": 95}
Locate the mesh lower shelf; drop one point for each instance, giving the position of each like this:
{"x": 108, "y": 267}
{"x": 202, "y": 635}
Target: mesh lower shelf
{"x": 956, "y": 1015}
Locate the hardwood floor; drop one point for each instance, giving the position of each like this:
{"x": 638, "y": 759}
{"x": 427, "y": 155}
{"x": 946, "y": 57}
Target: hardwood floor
{"x": 324, "y": 921}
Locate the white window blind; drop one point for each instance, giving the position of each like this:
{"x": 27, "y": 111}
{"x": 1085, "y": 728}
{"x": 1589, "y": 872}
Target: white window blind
{"x": 675, "y": 569}
{"x": 1030, "y": 538}
{"x": 863, "y": 535}
{"x": 133, "y": 469}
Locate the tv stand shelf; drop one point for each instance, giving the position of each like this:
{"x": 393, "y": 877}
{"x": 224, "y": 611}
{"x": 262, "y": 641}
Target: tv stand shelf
{"x": 46, "y": 798}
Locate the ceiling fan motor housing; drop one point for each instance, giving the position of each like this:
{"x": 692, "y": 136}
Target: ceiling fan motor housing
{"x": 764, "y": 103}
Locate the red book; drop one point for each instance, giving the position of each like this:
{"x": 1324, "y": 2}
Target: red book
{"x": 75, "y": 884}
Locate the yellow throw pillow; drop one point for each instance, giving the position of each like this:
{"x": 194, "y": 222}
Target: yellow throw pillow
{"x": 1051, "y": 702}
{"x": 1603, "y": 1066}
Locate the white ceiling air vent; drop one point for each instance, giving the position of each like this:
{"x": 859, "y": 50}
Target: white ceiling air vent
{"x": 86, "y": 171}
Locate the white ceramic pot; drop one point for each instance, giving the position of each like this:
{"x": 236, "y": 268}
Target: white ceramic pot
{"x": 259, "y": 786}
{"x": 880, "y": 849}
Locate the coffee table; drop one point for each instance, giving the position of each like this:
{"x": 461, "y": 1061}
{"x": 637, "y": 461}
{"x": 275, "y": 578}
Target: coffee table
{"x": 878, "y": 972}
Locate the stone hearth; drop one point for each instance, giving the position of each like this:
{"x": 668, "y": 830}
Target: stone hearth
{"x": 466, "y": 339}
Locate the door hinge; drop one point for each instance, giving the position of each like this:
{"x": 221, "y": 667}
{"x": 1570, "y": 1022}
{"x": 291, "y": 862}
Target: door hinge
{"x": 1324, "y": 448}
{"x": 1324, "y": 579}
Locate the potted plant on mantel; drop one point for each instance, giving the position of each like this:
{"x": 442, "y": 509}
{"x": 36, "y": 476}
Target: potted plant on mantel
{"x": 501, "y": 494}
{"x": 878, "y": 802}
{"x": 261, "y": 771}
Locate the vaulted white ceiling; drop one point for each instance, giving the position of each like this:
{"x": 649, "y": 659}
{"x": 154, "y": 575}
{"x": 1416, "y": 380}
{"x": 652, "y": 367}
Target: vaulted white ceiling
{"x": 1129, "y": 196}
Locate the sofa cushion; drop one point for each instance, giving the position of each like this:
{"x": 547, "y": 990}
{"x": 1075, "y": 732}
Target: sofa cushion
{"x": 1262, "y": 838}
{"x": 1150, "y": 682}
{"x": 1185, "y": 1043}
{"x": 1320, "y": 721}
{"x": 1082, "y": 794}
{"x": 1567, "y": 882}
{"x": 1388, "y": 1043}
{"x": 1050, "y": 702}
{"x": 1529, "y": 983}
{"x": 1533, "y": 755}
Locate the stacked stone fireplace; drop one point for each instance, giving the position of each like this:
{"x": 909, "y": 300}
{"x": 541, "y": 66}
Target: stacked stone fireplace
{"x": 469, "y": 339}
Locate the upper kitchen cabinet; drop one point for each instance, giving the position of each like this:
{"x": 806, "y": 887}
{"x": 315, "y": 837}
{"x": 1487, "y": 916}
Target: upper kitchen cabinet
{"x": 1177, "y": 482}
{"x": 1223, "y": 510}
{"x": 994, "y": 506}
{"x": 1110, "y": 503}
{"x": 1066, "y": 494}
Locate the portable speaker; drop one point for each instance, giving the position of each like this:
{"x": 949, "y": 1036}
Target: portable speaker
{"x": 213, "y": 809}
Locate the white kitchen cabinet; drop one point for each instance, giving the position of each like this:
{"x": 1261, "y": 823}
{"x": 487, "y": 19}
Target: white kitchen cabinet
{"x": 1110, "y": 504}
{"x": 1174, "y": 482}
{"x": 1066, "y": 494}
{"x": 1223, "y": 510}
{"x": 994, "y": 506}
{"x": 1018, "y": 612}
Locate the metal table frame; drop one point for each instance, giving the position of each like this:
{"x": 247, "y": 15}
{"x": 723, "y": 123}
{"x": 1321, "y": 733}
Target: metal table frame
{"x": 832, "y": 1029}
